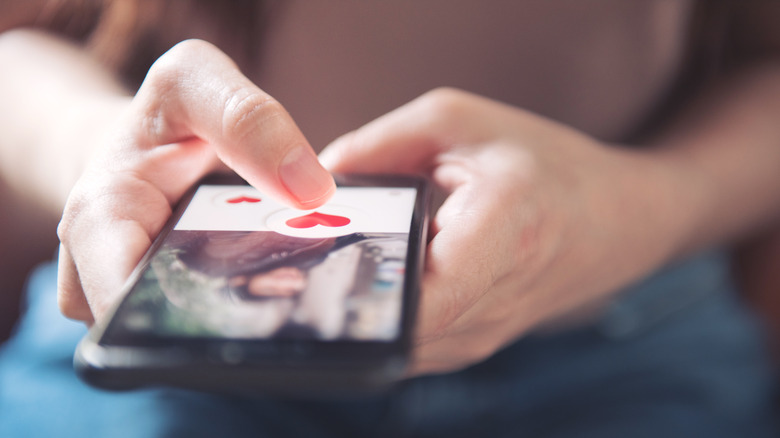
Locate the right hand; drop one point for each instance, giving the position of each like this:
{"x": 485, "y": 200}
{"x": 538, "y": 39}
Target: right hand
{"x": 194, "y": 113}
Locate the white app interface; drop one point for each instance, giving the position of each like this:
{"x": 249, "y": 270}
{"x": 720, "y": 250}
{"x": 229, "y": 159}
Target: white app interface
{"x": 351, "y": 210}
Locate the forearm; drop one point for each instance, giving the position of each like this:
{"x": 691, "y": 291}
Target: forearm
{"x": 57, "y": 103}
{"x": 725, "y": 151}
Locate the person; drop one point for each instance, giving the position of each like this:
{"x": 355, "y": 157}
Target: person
{"x": 572, "y": 287}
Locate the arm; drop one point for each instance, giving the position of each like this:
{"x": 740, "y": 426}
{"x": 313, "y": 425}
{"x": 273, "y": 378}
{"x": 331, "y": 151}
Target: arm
{"x": 731, "y": 142}
{"x": 40, "y": 85}
{"x": 758, "y": 256}
{"x": 58, "y": 104}
{"x": 728, "y": 145}
{"x": 755, "y": 46}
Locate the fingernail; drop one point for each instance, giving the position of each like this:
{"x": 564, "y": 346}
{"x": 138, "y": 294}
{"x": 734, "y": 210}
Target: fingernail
{"x": 303, "y": 176}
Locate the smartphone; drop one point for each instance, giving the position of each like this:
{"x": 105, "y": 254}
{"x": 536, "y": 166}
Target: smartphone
{"x": 241, "y": 293}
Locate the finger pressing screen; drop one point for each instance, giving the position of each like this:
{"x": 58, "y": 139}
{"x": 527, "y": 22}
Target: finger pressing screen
{"x": 195, "y": 90}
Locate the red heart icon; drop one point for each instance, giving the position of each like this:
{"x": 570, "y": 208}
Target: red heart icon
{"x": 316, "y": 218}
{"x": 240, "y": 199}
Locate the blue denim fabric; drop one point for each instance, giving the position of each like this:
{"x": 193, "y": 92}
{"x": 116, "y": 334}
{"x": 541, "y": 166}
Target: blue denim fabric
{"x": 675, "y": 356}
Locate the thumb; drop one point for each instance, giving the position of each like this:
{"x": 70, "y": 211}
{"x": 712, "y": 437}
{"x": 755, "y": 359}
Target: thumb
{"x": 410, "y": 138}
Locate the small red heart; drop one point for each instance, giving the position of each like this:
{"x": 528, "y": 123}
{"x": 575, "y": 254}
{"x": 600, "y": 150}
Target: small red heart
{"x": 240, "y": 199}
{"x": 316, "y": 218}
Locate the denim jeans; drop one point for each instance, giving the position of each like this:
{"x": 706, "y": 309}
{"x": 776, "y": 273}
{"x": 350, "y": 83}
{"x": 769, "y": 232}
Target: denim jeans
{"x": 675, "y": 356}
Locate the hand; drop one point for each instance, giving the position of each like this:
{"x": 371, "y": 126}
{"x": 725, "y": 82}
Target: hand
{"x": 194, "y": 113}
{"x": 539, "y": 219}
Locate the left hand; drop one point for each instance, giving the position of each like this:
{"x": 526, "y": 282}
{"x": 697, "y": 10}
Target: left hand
{"x": 539, "y": 219}
{"x": 194, "y": 114}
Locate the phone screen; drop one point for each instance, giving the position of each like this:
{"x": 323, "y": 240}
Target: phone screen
{"x": 239, "y": 265}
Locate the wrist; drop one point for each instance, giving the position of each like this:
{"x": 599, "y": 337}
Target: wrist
{"x": 661, "y": 202}
{"x": 685, "y": 196}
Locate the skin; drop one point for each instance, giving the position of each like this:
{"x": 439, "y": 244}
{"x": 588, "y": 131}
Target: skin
{"x": 544, "y": 218}
{"x": 539, "y": 219}
{"x": 173, "y": 132}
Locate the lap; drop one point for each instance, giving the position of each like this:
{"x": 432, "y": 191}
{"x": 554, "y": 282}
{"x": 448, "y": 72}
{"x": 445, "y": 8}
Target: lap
{"x": 676, "y": 356}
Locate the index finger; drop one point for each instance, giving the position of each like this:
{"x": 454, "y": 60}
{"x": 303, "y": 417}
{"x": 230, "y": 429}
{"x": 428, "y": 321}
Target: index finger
{"x": 196, "y": 91}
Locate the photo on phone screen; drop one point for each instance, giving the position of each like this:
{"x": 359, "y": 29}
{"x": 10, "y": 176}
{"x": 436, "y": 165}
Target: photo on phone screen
{"x": 239, "y": 265}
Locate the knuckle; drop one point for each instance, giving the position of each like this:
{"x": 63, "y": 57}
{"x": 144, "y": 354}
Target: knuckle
{"x": 164, "y": 74}
{"x": 180, "y": 61}
{"x": 444, "y": 94}
{"x": 177, "y": 60}
{"x": 159, "y": 88}
{"x": 70, "y": 216}
{"x": 483, "y": 349}
{"x": 72, "y": 303}
{"x": 166, "y": 80}
{"x": 69, "y": 307}
{"x": 244, "y": 111}
{"x": 446, "y": 103}
{"x": 64, "y": 227}
{"x": 189, "y": 47}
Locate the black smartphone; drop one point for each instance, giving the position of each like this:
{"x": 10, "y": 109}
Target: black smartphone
{"x": 241, "y": 293}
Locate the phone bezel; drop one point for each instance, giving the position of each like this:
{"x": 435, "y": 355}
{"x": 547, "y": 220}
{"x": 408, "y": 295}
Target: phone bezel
{"x": 170, "y": 360}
